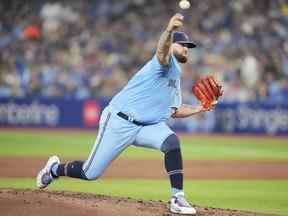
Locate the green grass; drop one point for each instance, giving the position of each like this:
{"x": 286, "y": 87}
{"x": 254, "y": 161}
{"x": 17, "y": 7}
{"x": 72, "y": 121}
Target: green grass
{"x": 77, "y": 144}
{"x": 260, "y": 196}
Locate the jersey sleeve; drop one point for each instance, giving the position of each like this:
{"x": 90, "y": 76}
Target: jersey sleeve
{"x": 158, "y": 67}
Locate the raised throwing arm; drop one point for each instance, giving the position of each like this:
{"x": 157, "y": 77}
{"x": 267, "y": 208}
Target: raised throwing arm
{"x": 165, "y": 41}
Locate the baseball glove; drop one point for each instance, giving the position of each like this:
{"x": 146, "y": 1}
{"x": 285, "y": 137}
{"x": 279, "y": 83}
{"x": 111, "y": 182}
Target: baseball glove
{"x": 207, "y": 90}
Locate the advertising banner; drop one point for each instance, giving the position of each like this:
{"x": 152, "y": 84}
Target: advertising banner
{"x": 251, "y": 118}
{"x": 265, "y": 118}
{"x": 50, "y": 113}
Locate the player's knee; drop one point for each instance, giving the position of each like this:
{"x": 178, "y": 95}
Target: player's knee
{"x": 170, "y": 143}
{"x": 90, "y": 177}
{"x": 94, "y": 175}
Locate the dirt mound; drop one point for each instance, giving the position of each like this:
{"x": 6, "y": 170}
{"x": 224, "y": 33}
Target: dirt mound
{"x": 25, "y": 202}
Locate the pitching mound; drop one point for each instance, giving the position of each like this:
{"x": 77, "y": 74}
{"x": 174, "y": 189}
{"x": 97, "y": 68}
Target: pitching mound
{"x": 25, "y": 202}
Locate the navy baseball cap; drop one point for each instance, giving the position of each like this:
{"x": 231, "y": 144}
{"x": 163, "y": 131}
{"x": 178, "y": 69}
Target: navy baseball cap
{"x": 182, "y": 38}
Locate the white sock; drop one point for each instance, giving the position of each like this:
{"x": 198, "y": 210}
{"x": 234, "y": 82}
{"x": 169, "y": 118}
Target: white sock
{"x": 54, "y": 169}
{"x": 176, "y": 191}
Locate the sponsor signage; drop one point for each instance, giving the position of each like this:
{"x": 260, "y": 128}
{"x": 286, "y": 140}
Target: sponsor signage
{"x": 251, "y": 118}
{"x": 258, "y": 118}
{"x": 49, "y": 113}
{"x": 91, "y": 113}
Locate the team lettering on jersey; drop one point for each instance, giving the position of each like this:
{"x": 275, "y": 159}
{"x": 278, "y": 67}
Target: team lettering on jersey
{"x": 172, "y": 83}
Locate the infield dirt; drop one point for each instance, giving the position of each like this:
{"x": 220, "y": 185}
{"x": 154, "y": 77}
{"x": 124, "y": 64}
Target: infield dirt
{"x": 26, "y": 202}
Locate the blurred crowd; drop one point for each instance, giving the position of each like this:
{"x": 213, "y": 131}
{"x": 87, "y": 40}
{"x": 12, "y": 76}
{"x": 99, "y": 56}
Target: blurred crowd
{"x": 83, "y": 49}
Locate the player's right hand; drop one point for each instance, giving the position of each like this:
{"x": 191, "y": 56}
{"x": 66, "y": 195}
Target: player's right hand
{"x": 175, "y": 22}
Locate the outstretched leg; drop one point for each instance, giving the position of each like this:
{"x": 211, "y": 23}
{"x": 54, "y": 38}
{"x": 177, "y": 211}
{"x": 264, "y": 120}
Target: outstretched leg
{"x": 115, "y": 134}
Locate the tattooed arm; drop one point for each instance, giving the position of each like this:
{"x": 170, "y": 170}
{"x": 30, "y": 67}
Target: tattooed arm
{"x": 165, "y": 41}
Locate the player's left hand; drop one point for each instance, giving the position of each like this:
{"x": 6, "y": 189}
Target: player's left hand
{"x": 207, "y": 90}
{"x": 209, "y": 108}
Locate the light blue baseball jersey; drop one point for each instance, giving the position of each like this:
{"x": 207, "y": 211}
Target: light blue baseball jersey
{"x": 151, "y": 93}
{"x": 148, "y": 97}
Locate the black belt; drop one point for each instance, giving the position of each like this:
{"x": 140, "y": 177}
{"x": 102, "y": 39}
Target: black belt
{"x": 126, "y": 117}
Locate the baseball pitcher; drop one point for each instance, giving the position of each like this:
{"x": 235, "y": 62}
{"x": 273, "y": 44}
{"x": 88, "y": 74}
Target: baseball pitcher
{"x": 137, "y": 115}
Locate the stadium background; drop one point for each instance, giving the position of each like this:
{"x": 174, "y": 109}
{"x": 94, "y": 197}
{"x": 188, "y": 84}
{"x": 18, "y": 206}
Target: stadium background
{"x": 62, "y": 61}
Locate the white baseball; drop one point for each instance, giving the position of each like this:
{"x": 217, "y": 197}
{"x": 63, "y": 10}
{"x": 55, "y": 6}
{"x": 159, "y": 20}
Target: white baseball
{"x": 184, "y": 4}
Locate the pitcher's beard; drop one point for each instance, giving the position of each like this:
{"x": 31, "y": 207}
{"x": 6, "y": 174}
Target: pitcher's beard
{"x": 181, "y": 59}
